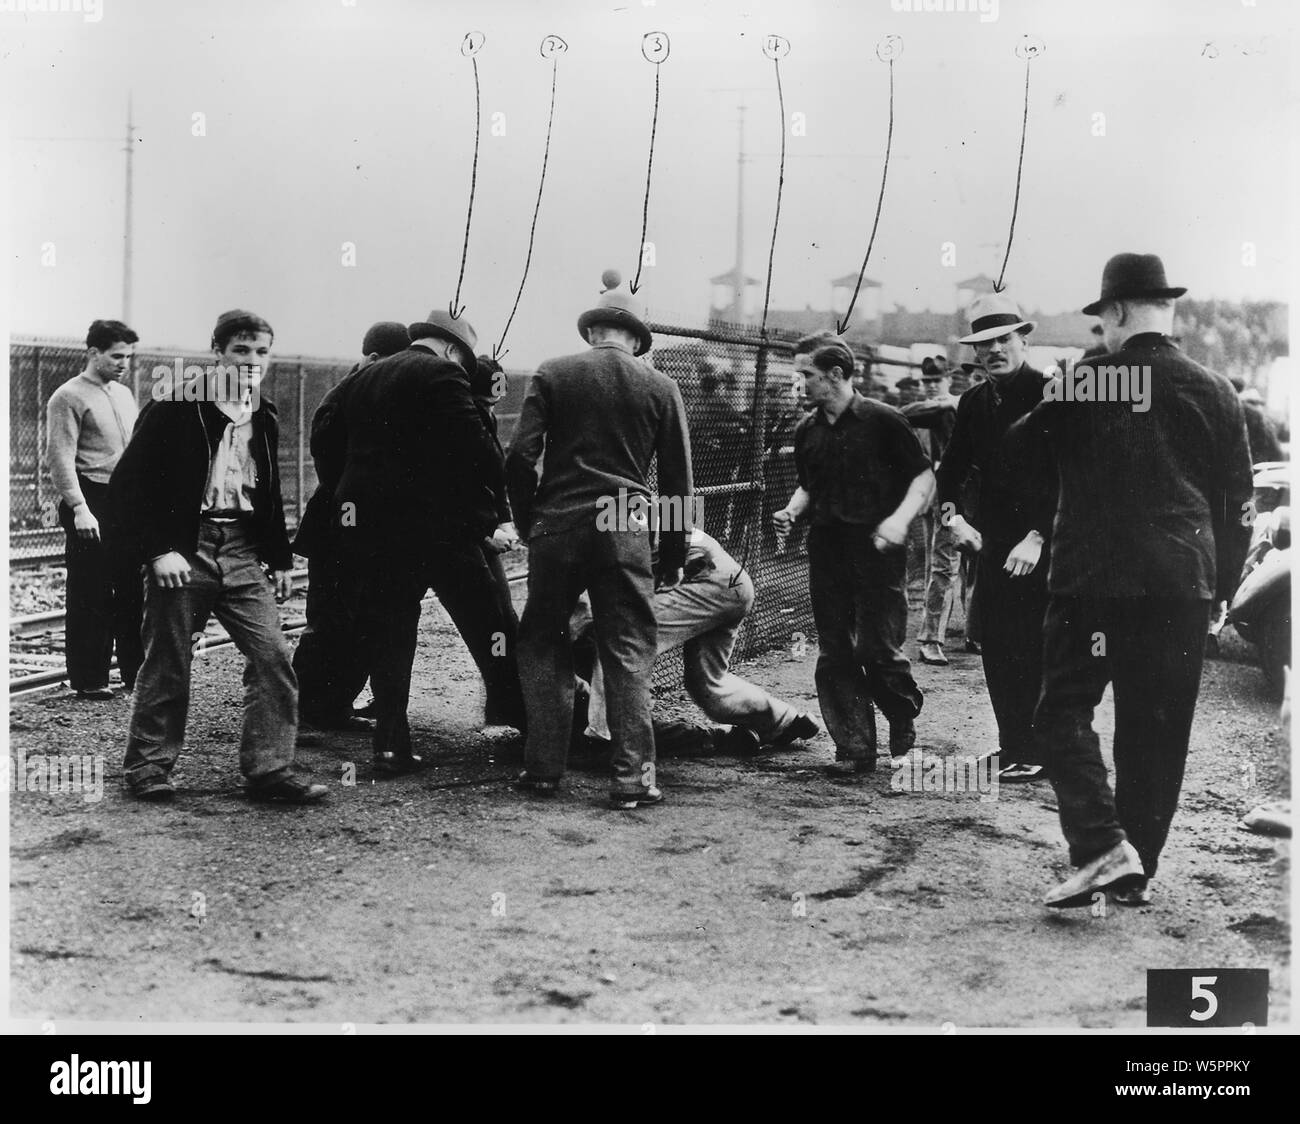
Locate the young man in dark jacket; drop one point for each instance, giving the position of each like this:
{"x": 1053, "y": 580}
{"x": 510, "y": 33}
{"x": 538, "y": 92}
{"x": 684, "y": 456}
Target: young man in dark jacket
{"x": 197, "y": 494}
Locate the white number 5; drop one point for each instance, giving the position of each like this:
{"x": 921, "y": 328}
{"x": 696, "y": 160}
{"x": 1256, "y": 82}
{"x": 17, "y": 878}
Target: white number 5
{"x": 1201, "y": 990}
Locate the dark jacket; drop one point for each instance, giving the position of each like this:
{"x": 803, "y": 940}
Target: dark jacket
{"x": 157, "y": 487}
{"x": 1264, "y": 445}
{"x": 1151, "y": 502}
{"x": 314, "y": 529}
{"x": 601, "y": 416}
{"x": 419, "y": 469}
{"x": 502, "y": 497}
{"x": 1003, "y": 496}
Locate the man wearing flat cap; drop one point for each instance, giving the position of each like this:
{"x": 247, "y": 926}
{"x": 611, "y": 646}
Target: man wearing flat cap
{"x": 415, "y": 500}
{"x": 1149, "y": 531}
{"x": 985, "y": 507}
{"x": 600, "y": 417}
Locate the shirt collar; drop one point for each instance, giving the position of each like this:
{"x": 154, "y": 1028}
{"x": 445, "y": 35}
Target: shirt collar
{"x": 614, "y": 344}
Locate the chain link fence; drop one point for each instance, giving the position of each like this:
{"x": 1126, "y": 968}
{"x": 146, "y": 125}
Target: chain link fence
{"x": 296, "y": 384}
{"x": 741, "y": 407}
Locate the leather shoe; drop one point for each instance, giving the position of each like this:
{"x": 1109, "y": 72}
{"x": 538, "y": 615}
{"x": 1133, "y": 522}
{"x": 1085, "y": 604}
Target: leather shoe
{"x": 932, "y": 652}
{"x": 737, "y": 741}
{"x": 1116, "y": 870}
{"x": 536, "y": 786}
{"x": 974, "y": 646}
{"x": 1134, "y": 895}
{"x": 288, "y": 790}
{"x": 627, "y": 801}
{"x": 852, "y": 768}
{"x": 392, "y": 764}
{"x": 902, "y": 736}
{"x": 155, "y": 790}
{"x": 803, "y": 729}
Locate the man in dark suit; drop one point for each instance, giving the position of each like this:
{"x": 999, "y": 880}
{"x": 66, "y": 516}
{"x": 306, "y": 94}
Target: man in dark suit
{"x": 1148, "y": 530}
{"x": 328, "y": 660}
{"x": 983, "y": 504}
{"x": 415, "y": 500}
{"x": 601, "y": 416}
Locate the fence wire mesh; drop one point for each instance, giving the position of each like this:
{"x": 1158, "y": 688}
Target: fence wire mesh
{"x": 738, "y": 389}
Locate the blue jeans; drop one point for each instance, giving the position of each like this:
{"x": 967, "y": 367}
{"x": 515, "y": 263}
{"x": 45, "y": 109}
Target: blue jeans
{"x": 225, "y": 581}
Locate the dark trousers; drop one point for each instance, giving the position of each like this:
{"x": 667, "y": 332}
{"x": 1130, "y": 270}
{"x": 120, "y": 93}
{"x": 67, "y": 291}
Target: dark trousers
{"x": 104, "y": 600}
{"x": 1150, "y": 651}
{"x": 388, "y": 591}
{"x": 1011, "y": 612}
{"x": 329, "y": 661}
{"x": 860, "y": 609}
{"x": 614, "y": 568}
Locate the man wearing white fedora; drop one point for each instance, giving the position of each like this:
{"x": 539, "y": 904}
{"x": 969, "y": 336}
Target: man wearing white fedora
{"x": 600, "y": 417}
{"x": 983, "y": 504}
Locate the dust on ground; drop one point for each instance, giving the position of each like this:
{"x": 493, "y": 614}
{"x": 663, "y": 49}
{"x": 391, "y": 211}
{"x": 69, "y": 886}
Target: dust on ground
{"x": 761, "y": 891}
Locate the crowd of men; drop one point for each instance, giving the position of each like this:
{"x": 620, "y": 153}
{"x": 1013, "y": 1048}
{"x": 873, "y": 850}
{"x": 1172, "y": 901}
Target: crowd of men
{"x": 1098, "y": 537}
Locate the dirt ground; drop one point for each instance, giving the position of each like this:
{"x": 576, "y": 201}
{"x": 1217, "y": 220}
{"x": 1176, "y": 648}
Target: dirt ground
{"x": 761, "y": 892}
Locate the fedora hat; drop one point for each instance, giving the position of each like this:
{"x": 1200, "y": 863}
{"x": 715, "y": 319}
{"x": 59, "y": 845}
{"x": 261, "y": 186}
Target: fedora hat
{"x": 935, "y": 368}
{"x": 620, "y": 308}
{"x": 992, "y": 315}
{"x": 1128, "y": 276}
{"x": 444, "y": 326}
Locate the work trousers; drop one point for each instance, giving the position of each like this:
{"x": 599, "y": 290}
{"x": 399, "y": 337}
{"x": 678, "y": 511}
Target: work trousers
{"x": 614, "y": 568}
{"x": 1150, "y": 651}
{"x": 225, "y": 581}
{"x": 388, "y": 590}
{"x": 860, "y": 610}
{"x": 1011, "y": 614}
{"x": 104, "y": 599}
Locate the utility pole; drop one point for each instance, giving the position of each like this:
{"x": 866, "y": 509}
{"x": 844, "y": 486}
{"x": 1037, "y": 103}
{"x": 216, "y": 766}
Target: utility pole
{"x": 738, "y": 291}
{"x": 127, "y": 225}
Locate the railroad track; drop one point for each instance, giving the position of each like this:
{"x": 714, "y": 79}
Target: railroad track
{"x": 39, "y": 670}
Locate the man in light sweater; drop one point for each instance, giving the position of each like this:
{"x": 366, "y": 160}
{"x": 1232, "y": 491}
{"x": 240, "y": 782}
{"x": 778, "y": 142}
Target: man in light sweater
{"x": 89, "y": 421}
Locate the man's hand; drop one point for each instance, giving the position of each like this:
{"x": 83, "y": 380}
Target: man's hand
{"x": 170, "y": 570}
{"x": 670, "y": 579}
{"x": 890, "y": 534}
{"x": 1024, "y": 555}
{"x": 283, "y": 584}
{"x": 783, "y": 523}
{"x": 503, "y": 539}
{"x": 84, "y": 521}
{"x": 964, "y": 535}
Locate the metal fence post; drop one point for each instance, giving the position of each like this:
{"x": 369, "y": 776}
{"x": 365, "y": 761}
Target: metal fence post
{"x": 302, "y": 460}
{"x": 38, "y": 379}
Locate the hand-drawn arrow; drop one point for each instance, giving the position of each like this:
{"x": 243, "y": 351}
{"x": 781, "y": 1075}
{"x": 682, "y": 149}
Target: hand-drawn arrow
{"x": 1028, "y": 49}
{"x": 655, "y": 48}
{"x": 469, "y": 47}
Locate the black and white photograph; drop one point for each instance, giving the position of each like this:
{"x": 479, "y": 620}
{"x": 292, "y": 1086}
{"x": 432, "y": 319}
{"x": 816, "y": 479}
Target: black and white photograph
{"x": 650, "y": 517}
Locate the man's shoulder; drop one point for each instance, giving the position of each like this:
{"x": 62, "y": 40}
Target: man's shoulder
{"x": 71, "y": 392}
{"x": 868, "y": 409}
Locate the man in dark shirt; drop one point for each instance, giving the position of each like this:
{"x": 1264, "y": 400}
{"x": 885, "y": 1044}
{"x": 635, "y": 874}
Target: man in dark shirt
{"x": 863, "y": 478}
{"x": 1148, "y": 530}
{"x": 981, "y": 501}
{"x": 600, "y": 417}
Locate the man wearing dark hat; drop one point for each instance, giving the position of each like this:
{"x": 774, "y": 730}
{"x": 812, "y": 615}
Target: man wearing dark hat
{"x": 1148, "y": 531}
{"x": 863, "y": 478}
{"x": 983, "y": 504}
{"x": 328, "y": 661}
{"x": 415, "y": 500}
{"x": 600, "y": 416}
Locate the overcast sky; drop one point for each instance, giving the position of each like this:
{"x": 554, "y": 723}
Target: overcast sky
{"x": 328, "y": 123}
